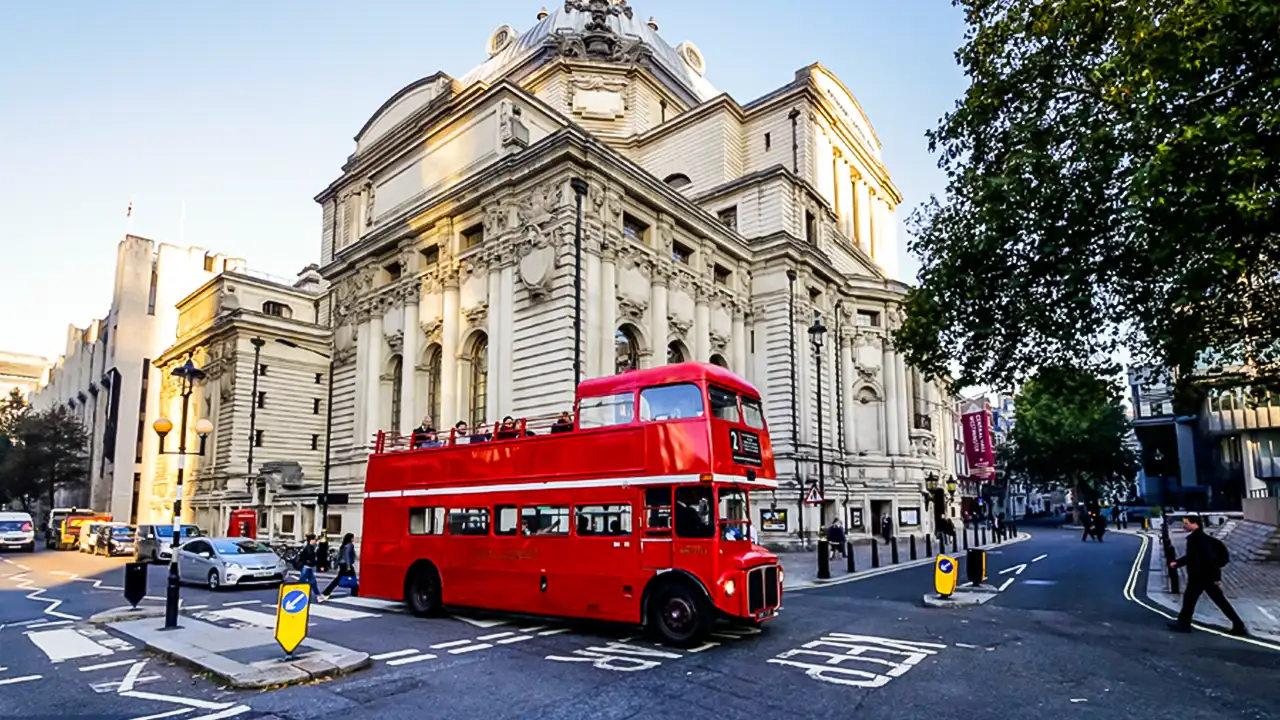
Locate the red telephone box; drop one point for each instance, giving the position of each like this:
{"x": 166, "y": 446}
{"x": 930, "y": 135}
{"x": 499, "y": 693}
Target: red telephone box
{"x": 244, "y": 523}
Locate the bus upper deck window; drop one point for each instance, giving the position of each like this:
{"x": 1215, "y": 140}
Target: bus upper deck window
{"x": 752, "y": 413}
{"x": 724, "y": 404}
{"x": 671, "y": 402}
{"x": 606, "y": 411}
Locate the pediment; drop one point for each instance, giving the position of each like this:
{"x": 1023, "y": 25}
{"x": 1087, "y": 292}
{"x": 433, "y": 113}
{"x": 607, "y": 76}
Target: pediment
{"x": 410, "y": 99}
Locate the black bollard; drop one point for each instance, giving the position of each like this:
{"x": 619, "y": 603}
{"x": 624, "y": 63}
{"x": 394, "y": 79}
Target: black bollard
{"x": 955, "y": 543}
{"x": 913, "y": 548}
{"x": 928, "y": 546}
{"x": 894, "y": 550}
{"x": 965, "y": 533}
{"x": 875, "y": 553}
{"x": 852, "y": 566}
{"x": 984, "y": 536}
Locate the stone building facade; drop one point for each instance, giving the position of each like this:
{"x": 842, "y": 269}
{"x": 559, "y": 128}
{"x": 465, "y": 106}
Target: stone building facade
{"x": 21, "y": 372}
{"x": 712, "y": 231}
{"x": 266, "y": 451}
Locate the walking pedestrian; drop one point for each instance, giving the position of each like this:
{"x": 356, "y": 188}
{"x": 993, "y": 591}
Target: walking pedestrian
{"x": 346, "y": 567}
{"x": 306, "y": 564}
{"x": 886, "y": 529}
{"x": 1204, "y": 560}
{"x": 1088, "y": 522}
{"x": 1099, "y": 526}
{"x": 835, "y": 539}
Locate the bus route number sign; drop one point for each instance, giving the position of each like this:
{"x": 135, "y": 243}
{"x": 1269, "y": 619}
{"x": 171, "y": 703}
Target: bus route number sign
{"x": 745, "y": 447}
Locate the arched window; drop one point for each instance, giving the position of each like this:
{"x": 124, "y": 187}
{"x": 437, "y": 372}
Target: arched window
{"x": 397, "y": 375}
{"x": 434, "y": 357}
{"x": 479, "y": 381}
{"x": 628, "y": 350}
{"x": 271, "y": 307}
{"x": 678, "y": 181}
{"x": 675, "y": 353}
{"x": 718, "y": 359}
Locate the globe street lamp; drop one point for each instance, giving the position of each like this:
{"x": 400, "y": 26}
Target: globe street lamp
{"x": 189, "y": 375}
{"x": 817, "y": 332}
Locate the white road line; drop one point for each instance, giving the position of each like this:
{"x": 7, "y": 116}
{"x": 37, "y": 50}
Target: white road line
{"x": 339, "y": 614}
{"x": 516, "y": 639}
{"x": 1016, "y": 569}
{"x": 1006, "y": 584}
{"x": 239, "y": 602}
{"x": 171, "y": 713}
{"x": 29, "y": 584}
{"x": 392, "y": 654}
{"x": 63, "y": 573}
{"x": 253, "y": 617}
{"x": 66, "y": 644}
{"x": 556, "y": 631}
{"x": 22, "y": 567}
{"x": 1038, "y": 559}
{"x": 193, "y": 702}
{"x": 410, "y": 660}
{"x": 131, "y": 677}
{"x": 451, "y": 643}
{"x": 532, "y": 629}
{"x": 966, "y": 645}
{"x": 1266, "y": 612}
{"x": 230, "y": 712}
{"x": 371, "y": 603}
{"x": 472, "y": 648}
{"x": 483, "y": 624}
{"x": 15, "y": 681}
{"x": 106, "y": 665}
{"x": 195, "y": 607}
{"x": 53, "y": 623}
{"x": 495, "y": 636}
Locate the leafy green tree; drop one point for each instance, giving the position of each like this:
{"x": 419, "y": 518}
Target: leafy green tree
{"x": 48, "y": 452}
{"x": 12, "y": 409}
{"x": 1070, "y": 435}
{"x": 1113, "y": 180}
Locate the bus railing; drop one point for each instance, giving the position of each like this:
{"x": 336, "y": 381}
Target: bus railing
{"x": 388, "y": 441}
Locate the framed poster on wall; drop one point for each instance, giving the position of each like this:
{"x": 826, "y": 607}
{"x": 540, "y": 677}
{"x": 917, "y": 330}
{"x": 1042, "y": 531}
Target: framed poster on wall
{"x": 908, "y": 517}
{"x": 773, "y": 520}
{"x": 856, "y": 521}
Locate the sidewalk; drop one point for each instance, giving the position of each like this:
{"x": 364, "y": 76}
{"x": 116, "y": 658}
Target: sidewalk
{"x": 246, "y": 657}
{"x": 800, "y": 569}
{"x": 1252, "y": 587}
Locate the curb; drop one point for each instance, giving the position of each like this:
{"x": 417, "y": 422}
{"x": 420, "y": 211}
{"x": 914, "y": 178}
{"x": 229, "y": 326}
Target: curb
{"x": 877, "y": 572}
{"x": 964, "y": 596}
{"x": 125, "y": 614}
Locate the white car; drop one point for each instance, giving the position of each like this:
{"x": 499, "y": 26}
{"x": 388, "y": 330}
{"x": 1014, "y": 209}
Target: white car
{"x": 88, "y": 541}
{"x": 17, "y": 530}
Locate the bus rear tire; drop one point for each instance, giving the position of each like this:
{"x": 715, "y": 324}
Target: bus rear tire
{"x": 422, "y": 590}
{"x": 680, "y": 615}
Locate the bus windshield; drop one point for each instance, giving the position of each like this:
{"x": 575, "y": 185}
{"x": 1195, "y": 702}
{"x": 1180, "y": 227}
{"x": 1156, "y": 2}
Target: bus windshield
{"x": 735, "y": 523}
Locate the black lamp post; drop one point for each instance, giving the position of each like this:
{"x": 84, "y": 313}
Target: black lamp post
{"x": 253, "y": 405}
{"x": 322, "y": 547}
{"x": 579, "y": 192}
{"x": 189, "y": 374}
{"x": 817, "y": 332}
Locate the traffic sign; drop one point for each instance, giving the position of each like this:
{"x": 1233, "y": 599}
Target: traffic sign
{"x": 814, "y": 495}
{"x": 944, "y": 575}
{"x": 293, "y": 609}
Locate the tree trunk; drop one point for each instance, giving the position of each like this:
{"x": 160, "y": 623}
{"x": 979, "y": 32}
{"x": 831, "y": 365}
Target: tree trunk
{"x": 1076, "y": 496}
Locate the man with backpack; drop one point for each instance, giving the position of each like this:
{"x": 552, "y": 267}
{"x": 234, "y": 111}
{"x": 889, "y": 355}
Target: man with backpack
{"x": 1204, "y": 560}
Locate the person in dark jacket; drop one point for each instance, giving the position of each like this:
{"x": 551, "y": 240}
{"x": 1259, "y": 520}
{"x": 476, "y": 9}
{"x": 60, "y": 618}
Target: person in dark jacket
{"x": 835, "y": 539}
{"x": 307, "y": 560}
{"x": 1204, "y": 575}
{"x": 346, "y": 564}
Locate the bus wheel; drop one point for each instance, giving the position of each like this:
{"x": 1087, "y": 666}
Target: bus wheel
{"x": 422, "y": 591}
{"x": 679, "y": 614}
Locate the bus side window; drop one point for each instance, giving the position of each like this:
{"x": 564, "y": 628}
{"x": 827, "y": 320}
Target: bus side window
{"x": 603, "y": 520}
{"x": 545, "y": 520}
{"x": 694, "y": 512}
{"x": 506, "y": 520}
{"x": 469, "y": 521}
{"x": 657, "y": 511}
{"x": 426, "y": 521}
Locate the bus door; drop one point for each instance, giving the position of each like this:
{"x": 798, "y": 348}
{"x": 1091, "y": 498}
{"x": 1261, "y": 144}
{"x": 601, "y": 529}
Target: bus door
{"x": 694, "y": 516}
{"x": 604, "y": 581}
{"x": 655, "y": 545}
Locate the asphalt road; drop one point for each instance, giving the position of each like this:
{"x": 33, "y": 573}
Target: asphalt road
{"x": 1061, "y": 640}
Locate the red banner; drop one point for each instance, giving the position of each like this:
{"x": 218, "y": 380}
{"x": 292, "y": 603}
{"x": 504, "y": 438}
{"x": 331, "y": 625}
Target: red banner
{"x": 977, "y": 444}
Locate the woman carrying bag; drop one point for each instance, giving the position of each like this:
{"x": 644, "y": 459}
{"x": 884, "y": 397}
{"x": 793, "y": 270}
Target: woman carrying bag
{"x": 346, "y": 568}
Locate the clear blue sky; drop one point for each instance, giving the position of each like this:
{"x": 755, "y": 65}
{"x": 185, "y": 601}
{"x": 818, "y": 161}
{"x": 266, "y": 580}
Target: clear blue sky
{"x": 244, "y": 110}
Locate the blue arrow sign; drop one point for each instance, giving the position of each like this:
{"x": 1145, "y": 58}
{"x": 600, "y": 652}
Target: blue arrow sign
{"x": 944, "y": 565}
{"x": 294, "y": 602}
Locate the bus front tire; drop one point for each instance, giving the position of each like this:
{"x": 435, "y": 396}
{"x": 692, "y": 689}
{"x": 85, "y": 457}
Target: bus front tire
{"x": 422, "y": 591}
{"x": 679, "y": 614}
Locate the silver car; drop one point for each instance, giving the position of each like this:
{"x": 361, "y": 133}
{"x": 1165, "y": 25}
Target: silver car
{"x": 222, "y": 562}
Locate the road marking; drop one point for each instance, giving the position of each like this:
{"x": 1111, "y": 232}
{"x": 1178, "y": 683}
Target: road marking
{"x": 197, "y": 607}
{"x": 66, "y": 644}
{"x": 15, "y": 681}
{"x": 193, "y": 702}
{"x": 516, "y": 639}
{"x": 495, "y": 636}
{"x": 231, "y": 712}
{"x": 410, "y": 660}
{"x": 29, "y": 584}
{"x": 1016, "y": 569}
{"x": 22, "y": 567}
{"x": 171, "y": 713}
{"x": 339, "y": 614}
{"x": 53, "y": 623}
{"x": 451, "y": 643}
{"x": 471, "y": 648}
{"x": 1039, "y": 558}
{"x": 63, "y": 573}
{"x": 484, "y": 624}
{"x": 534, "y": 628}
{"x": 240, "y": 602}
{"x": 114, "y": 686}
{"x": 1267, "y": 612}
{"x": 1040, "y": 582}
{"x": 967, "y": 645}
{"x": 1006, "y": 584}
{"x": 371, "y": 603}
{"x": 253, "y": 617}
{"x": 106, "y": 665}
{"x": 555, "y": 631}
{"x": 392, "y": 654}
{"x": 131, "y": 677}
{"x": 902, "y": 656}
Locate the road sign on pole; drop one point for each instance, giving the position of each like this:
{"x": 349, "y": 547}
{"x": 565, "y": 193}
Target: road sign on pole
{"x": 293, "y": 608}
{"x": 814, "y": 496}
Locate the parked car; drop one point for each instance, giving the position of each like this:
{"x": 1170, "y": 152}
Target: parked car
{"x": 155, "y": 542}
{"x": 69, "y": 532}
{"x": 223, "y": 562}
{"x": 115, "y": 539}
{"x": 17, "y": 530}
{"x": 88, "y": 540}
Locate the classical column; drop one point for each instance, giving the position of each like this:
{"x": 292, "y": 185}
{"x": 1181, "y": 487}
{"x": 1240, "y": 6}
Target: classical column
{"x": 892, "y": 398}
{"x": 449, "y": 352}
{"x": 506, "y": 345}
{"x": 409, "y": 361}
{"x": 658, "y": 316}
{"x": 904, "y": 407}
{"x": 847, "y": 375}
{"x": 847, "y": 200}
{"x": 494, "y": 387}
{"x": 373, "y": 378}
{"x": 888, "y": 246}
{"x": 861, "y": 214}
{"x": 739, "y": 343}
{"x": 608, "y": 310}
{"x": 362, "y": 373}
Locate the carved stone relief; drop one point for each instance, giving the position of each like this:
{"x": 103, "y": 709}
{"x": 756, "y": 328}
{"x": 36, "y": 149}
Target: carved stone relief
{"x": 395, "y": 341}
{"x": 677, "y": 327}
{"x": 719, "y": 342}
{"x": 597, "y": 41}
{"x": 477, "y": 316}
{"x": 511, "y": 128}
{"x": 433, "y": 330}
{"x": 632, "y": 310}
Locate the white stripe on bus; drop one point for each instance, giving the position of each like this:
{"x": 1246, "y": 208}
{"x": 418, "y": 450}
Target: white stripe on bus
{"x": 568, "y": 484}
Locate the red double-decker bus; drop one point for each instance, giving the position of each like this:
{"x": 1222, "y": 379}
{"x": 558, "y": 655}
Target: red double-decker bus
{"x": 635, "y": 509}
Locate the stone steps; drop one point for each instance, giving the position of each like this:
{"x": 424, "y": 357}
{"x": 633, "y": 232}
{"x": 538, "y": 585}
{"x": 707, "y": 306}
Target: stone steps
{"x": 1249, "y": 541}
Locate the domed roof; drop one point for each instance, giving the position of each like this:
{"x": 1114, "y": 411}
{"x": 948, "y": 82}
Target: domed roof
{"x": 620, "y": 35}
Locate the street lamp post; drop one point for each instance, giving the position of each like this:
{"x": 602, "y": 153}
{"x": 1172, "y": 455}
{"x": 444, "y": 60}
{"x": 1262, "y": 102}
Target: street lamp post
{"x": 322, "y": 549}
{"x": 189, "y": 375}
{"x": 253, "y": 403}
{"x": 817, "y": 332}
{"x": 579, "y": 192}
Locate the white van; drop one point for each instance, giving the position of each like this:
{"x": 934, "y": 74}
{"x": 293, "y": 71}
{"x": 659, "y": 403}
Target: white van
{"x": 88, "y": 541}
{"x": 17, "y": 530}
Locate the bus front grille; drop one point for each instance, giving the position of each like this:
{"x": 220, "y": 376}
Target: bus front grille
{"x": 762, "y": 589}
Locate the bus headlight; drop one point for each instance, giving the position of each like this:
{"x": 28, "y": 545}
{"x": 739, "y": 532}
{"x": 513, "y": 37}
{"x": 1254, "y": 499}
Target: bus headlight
{"x": 729, "y": 587}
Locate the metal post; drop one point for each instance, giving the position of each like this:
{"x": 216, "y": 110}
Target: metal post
{"x": 894, "y": 549}
{"x": 914, "y": 556}
{"x": 875, "y": 553}
{"x": 172, "y": 590}
{"x": 851, "y": 565}
{"x": 579, "y": 191}
{"x": 322, "y": 546}
{"x": 253, "y": 403}
{"x": 824, "y": 550}
{"x": 928, "y": 546}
